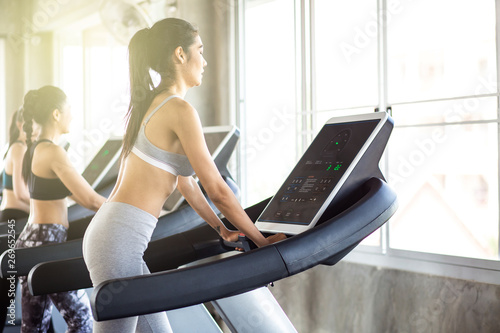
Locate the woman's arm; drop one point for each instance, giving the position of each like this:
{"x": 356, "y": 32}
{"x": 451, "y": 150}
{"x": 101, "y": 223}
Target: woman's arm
{"x": 188, "y": 128}
{"x": 191, "y": 191}
{"x": 20, "y": 188}
{"x": 82, "y": 192}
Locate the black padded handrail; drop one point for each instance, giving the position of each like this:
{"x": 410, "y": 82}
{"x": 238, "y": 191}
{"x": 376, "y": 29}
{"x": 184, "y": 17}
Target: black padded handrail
{"x": 168, "y": 253}
{"x": 162, "y": 254}
{"x": 173, "y": 289}
{"x": 27, "y": 258}
{"x": 17, "y": 226}
{"x": 58, "y": 276}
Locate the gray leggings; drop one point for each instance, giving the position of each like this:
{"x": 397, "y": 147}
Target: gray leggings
{"x": 113, "y": 247}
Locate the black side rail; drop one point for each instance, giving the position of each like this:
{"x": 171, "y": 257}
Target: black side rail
{"x": 26, "y": 258}
{"x": 18, "y": 226}
{"x": 161, "y": 255}
{"x": 326, "y": 243}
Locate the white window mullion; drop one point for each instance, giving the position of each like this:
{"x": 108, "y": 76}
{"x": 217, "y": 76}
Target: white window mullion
{"x": 497, "y": 42}
{"x": 382, "y": 93}
{"x": 305, "y": 60}
{"x": 240, "y": 95}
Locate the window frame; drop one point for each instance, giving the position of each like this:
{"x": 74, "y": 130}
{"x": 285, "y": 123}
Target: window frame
{"x": 481, "y": 270}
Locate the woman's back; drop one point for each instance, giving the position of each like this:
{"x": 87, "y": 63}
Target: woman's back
{"x": 47, "y": 169}
{"x": 13, "y": 179}
{"x": 148, "y": 174}
{"x": 45, "y": 156}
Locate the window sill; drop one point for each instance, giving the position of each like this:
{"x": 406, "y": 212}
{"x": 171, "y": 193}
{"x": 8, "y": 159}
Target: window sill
{"x": 480, "y": 270}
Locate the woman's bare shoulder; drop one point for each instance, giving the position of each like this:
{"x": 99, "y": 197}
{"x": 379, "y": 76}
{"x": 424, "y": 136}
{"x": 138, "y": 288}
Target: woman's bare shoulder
{"x": 51, "y": 152}
{"x": 17, "y": 148}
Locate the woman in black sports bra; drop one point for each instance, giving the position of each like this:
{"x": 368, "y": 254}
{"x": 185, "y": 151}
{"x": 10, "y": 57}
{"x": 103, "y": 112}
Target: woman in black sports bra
{"x": 51, "y": 178}
{"x": 15, "y": 196}
{"x": 14, "y": 208}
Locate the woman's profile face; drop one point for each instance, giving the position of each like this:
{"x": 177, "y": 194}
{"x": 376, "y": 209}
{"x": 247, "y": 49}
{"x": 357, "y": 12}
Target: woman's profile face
{"x": 66, "y": 117}
{"x": 36, "y": 131}
{"x": 196, "y": 62}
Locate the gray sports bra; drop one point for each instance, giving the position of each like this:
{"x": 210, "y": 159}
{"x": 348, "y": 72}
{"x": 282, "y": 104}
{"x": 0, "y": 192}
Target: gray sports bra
{"x": 173, "y": 163}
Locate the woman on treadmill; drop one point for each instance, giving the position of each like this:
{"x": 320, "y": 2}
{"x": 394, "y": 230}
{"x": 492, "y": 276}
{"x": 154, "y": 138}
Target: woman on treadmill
{"x": 15, "y": 196}
{"x": 51, "y": 178}
{"x": 163, "y": 148}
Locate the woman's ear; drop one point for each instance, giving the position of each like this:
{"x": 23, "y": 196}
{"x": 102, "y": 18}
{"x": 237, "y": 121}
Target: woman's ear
{"x": 179, "y": 54}
{"x": 56, "y": 114}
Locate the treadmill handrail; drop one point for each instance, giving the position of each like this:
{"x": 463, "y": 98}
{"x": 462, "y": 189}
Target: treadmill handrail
{"x": 26, "y": 258}
{"x": 173, "y": 289}
{"x": 162, "y": 254}
{"x": 59, "y": 276}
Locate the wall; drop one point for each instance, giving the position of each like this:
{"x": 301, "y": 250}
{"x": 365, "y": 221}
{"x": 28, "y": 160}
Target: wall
{"x": 214, "y": 99}
{"x": 358, "y": 298}
{"x": 29, "y": 51}
{"x": 29, "y": 24}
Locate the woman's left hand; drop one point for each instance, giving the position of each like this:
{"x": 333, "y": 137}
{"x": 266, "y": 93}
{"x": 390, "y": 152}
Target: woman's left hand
{"x": 275, "y": 238}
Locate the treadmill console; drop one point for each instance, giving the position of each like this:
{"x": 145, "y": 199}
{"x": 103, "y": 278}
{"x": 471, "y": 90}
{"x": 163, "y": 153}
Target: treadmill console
{"x": 218, "y": 139}
{"x": 320, "y": 173}
{"x": 105, "y": 164}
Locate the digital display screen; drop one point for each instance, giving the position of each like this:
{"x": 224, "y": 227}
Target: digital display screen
{"x": 318, "y": 172}
{"x": 214, "y": 139}
{"x": 101, "y": 160}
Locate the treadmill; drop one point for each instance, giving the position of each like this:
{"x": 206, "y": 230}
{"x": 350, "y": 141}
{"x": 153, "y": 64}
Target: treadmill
{"x": 221, "y": 142}
{"x": 334, "y": 198}
{"x": 101, "y": 173}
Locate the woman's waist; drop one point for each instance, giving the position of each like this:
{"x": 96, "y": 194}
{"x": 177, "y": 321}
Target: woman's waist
{"x": 151, "y": 201}
{"x": 10, "y": 201}
{"x": 45, "y": 213}
{"x": 117, "y": 223}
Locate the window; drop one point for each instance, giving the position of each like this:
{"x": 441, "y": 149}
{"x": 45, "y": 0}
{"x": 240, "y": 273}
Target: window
{"x": 345, "y": 54}
{"x": 443, "y": 157}
{"x": 270, "y": 118}
{"x": 438, "y": 75}
{"x": 94, "y": 74}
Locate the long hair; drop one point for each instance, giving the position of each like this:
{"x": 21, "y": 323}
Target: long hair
{"x": 13, "y": 129}
{"x": 38, "y": 106}
{"x": 152, "y": 48}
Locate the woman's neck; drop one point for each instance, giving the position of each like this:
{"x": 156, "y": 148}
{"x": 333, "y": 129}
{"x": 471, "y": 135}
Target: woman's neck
{"x": 168, "y": 87}
{"x": 21, "y": 138}
{"x": 51, "y": 135}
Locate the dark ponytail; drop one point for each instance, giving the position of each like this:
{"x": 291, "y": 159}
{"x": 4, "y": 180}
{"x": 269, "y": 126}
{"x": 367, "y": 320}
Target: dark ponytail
{"x": 152, "y": 49}
{"x": 141, "y": 87}
{"x": 29, "y": 107}
{"x": 38, "y": 106}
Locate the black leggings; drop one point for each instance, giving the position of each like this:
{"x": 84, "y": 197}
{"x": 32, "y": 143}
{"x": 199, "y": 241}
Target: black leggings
{"x": 74, "y": 306}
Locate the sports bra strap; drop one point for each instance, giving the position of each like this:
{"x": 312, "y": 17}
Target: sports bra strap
{"x": 40, "y": 141}
{"x": 158, "y": 107}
